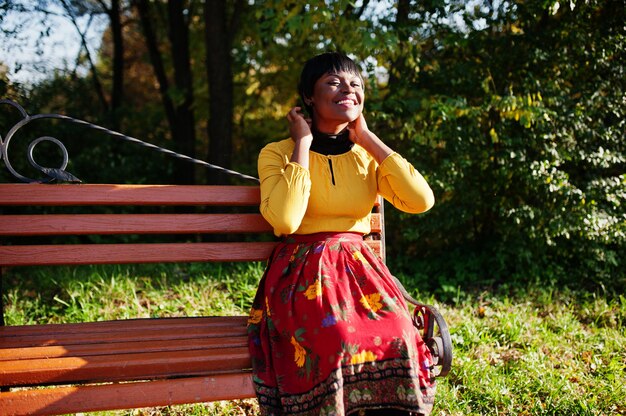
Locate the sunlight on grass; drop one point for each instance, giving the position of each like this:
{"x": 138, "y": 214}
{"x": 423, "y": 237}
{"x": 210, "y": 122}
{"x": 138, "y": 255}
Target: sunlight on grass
{"x": 224, "y": 408}
{"x": 532, "y": 350}
{"x": 104, "y": 293}
{"x": 532, "y": 354}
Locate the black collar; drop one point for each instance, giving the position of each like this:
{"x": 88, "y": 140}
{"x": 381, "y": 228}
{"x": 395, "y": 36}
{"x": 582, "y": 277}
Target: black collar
{"x": 331, "y": 144}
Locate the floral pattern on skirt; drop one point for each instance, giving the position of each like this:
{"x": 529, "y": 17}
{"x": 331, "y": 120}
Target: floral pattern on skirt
{"x": 330, "y": 333}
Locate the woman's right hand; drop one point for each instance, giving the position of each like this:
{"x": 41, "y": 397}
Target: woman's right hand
{"x": 300, "y": 130}
{"x": 299, "y": 127}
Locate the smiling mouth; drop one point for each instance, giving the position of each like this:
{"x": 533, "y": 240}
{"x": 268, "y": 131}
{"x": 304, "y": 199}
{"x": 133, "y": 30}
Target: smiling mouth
{"x": 346, "y": 102}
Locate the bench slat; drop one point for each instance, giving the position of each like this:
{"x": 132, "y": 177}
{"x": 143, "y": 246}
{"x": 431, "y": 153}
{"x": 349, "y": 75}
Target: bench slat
{"x": 77, "y": 254}
{"x": 101, "y": 194}
{"x": 84, "y": 350}
{"x": 122, "y": 337}
{"x": 86, "y": 337}
{"x": 137, "y": 366}
{"x": 187, "y": 360}
{"x": 64, "y": 400}
{"x": 125, "y": 325}
{"x": 110, "y": 351}
{"x": 82, "y": 224}
{"x": 98, "y": 194}
{"x": 83, "y": 254}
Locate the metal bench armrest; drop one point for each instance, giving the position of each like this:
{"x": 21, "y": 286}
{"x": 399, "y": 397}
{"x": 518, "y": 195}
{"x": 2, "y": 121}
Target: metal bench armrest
{"x": 434, "y": 331}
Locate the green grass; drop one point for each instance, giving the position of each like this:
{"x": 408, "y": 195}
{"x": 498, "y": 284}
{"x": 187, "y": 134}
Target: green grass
{"x": 533, "y": 350}
{"x": 51, "y": 295}
{"x": 536, "y": 352}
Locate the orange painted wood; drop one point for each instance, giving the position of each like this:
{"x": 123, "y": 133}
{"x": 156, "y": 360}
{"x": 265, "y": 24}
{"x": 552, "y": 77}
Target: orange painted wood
{"x": 77, "y": 254}
{"x": 81, "y": 224}
{"x": 125, "y": 325}
{"x": 124, "y": 336}
{"x": 64, "y": 400}
{"x": 123, "y": 367}
{"x": 81, "y": 254}
{"x": 375, "y": 223}
{"x": 84, "y": 336}
{"x": 77, "y": 224}
{"x": 73, "y": 194}
{"x": 122, "y": 350}
{"x": 101, "y": 194}
{"x": 130, "y": 350}
{"x": 108, "y": 348}
{"x": 375, "y": 245}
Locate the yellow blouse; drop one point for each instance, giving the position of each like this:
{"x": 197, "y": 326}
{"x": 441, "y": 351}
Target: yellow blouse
{"x": 338, "y": 192}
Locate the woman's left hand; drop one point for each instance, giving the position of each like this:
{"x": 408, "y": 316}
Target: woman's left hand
{"x": 358, "y": 130}
{"x": 360, "y": 134}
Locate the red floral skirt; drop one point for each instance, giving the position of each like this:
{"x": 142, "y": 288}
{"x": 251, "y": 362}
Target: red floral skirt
{"x": 331, "y": 334}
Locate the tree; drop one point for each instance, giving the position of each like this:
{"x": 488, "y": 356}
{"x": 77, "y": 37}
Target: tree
{"x": 513, "y": 110}
{"x": 517, "y": 128}
{"x": 221, "y": 24}
{"x": 75, "y": 8}
{"x": 177, "y": 100}
{"x": 114, "y": 11}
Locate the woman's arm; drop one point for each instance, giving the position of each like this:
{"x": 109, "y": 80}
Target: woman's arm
{"x": 402, "y": 185}
{"x": 286, "y": 184}
{"x": 398, "y": 181}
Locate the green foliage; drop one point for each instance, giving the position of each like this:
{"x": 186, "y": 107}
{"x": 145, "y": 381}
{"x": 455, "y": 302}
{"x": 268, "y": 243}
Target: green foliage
{"x": 518, "y": 126}
{"x": 513, "y": 111}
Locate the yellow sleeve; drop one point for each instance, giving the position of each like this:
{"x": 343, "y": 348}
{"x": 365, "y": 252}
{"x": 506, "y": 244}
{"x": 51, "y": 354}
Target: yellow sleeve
{"x": 402, "y": 185}
{"x": 285, "y": 190}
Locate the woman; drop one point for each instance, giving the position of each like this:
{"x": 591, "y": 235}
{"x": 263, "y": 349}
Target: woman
{"x": 329, "y": 331}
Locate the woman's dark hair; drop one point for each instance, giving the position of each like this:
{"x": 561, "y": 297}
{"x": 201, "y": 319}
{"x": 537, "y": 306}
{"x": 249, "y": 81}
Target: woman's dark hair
{"x": 314, "y": 68}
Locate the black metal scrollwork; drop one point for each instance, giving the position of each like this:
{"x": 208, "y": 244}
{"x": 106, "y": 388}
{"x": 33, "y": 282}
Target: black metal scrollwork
{"x": 60, "y": 174}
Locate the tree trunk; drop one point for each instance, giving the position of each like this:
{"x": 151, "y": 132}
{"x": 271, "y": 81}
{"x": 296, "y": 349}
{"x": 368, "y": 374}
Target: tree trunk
{"x": 185, "y": 119}
{"x": 117, "y": 91}
{"x": 218, "y": 42}
{"x": 180, "y": 115}
{"x": 156, "y": 59}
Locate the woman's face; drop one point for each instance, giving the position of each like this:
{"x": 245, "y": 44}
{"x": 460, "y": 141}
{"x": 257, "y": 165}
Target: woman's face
{"x": 337, "y": 100}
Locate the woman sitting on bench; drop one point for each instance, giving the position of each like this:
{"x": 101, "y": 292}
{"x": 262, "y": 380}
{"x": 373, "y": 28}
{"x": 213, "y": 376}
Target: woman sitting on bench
{"x": 329, "y": 331}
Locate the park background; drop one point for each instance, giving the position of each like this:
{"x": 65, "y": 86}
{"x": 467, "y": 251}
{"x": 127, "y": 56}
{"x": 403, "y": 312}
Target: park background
{"x": 514, "y": 111}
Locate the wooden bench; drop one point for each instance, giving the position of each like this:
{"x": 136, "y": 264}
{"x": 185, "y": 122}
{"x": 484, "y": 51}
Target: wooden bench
{"x": 141, "y": 362}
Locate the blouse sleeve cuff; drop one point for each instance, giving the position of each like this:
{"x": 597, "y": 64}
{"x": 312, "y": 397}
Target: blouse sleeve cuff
{"x": 295, "y": 171}
{"x": 391, "y": 162}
